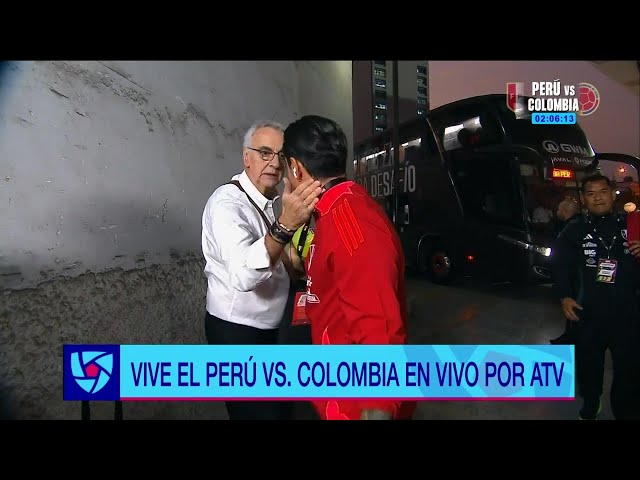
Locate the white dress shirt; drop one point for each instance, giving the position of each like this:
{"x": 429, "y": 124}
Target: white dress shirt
{"x": 242, "y": 286}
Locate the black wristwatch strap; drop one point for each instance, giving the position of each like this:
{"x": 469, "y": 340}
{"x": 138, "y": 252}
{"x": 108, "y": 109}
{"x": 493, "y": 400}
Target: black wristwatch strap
{"x": 279, "y": 234}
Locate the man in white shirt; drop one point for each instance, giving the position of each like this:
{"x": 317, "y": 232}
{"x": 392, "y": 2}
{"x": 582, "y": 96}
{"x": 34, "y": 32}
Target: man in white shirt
{"x": 248, "y": 276}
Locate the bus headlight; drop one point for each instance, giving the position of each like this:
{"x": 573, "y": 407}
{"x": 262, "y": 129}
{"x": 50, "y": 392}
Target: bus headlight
{"x": 545, "y": 251}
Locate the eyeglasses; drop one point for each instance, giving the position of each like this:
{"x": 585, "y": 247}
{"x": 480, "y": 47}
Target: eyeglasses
{"x": 267, "y": 155}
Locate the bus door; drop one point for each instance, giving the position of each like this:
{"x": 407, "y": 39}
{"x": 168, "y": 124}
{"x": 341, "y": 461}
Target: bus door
{"x": 492, "y": 210}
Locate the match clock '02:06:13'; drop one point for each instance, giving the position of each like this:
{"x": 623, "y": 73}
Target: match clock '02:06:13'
{"x": 550, "y": 118}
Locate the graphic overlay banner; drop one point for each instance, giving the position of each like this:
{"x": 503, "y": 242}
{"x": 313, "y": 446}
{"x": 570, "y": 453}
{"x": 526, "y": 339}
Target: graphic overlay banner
{"x": 91, "y": 372}
{"x": 553, "y": 97}
{"x": 346, "y": 371}
{"x": 419, "y": 372}
{"x": 515, "y": 96}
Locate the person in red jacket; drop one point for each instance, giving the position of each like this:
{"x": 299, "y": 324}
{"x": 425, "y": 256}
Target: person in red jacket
{"x": 355, "y": 266}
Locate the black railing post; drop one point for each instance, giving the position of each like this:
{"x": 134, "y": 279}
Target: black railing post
{"x": 117, "y": 410}
{"x": 86, "y": 410}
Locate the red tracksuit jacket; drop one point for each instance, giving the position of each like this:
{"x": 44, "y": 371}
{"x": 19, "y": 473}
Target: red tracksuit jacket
{"x": 355, "y": 285}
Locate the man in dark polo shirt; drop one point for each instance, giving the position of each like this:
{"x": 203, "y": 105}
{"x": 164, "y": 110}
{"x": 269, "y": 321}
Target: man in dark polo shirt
{"x": 355, "y": 267}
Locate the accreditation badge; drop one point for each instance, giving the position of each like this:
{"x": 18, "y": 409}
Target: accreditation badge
{"x": 299, "y": 312}
{"x": 606, "y": 270}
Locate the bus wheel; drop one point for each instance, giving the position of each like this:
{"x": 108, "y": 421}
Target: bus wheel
{"x": 441, "y": 269}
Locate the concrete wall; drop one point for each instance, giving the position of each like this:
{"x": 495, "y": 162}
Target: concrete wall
{"x": 613, "y": 127}
{"x": 325, "y": 89}
{"x": 104, "y": 170}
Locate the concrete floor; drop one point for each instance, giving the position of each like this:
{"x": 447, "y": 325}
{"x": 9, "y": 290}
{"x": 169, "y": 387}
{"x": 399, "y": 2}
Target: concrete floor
{"x": 470, "y": 313}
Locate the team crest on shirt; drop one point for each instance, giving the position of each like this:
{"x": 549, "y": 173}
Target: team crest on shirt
{"x": 623, "y": 232}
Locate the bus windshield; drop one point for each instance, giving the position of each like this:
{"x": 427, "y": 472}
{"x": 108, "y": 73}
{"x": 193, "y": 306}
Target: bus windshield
{"x": 560, "y": 142}
{"x": 543, "y": 191}
{"x": 542, "y": 196}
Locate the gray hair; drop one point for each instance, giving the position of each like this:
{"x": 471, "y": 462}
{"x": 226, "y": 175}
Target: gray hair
{"x": 257, "y": 126}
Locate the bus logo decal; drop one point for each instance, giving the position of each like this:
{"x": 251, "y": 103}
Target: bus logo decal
{"x": 550, "y": 146}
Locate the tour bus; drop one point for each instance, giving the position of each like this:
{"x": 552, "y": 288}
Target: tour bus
{"x": 479, "y": 187}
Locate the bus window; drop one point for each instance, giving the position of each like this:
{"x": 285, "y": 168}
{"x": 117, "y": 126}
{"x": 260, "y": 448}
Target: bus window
{"x": 386, "y": 158}
{"x": 410, "y": 151}
{"x": 362, "y": 165}
{"x": 486, "y": 189}
{"x": 372, "y": 162}
{"x": 411, "y": 145}
{"x": 542, "y": 196}
{"x": 470, "y": 125}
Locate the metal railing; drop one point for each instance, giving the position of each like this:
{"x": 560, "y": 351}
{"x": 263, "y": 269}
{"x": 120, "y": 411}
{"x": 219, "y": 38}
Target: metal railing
{"x": 86, "y": 410}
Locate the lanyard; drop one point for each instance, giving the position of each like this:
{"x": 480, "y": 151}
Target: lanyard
{"x": 613, "y": 240}
{"x": 303, "y": 238}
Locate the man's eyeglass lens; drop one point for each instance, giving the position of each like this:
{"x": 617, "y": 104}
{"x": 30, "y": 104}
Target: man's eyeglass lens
{"x": 267, "y": 155}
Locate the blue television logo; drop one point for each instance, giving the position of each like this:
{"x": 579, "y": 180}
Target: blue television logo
{"x": 91, "y": 372}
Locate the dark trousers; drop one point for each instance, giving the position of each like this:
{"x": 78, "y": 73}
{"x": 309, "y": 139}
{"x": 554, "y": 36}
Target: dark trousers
{"x": 569, "y": 331}
{"x": 221, "y": 332}
{"x": 593, "y": 340}
{"x": 298, "y": 335}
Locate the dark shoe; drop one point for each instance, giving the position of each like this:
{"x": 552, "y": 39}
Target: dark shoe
{"x": 590, "y": 410}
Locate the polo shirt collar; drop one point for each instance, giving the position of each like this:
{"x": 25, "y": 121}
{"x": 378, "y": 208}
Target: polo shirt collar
{"x": 329, "y": 197}
{"x": 262, "y": 201}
